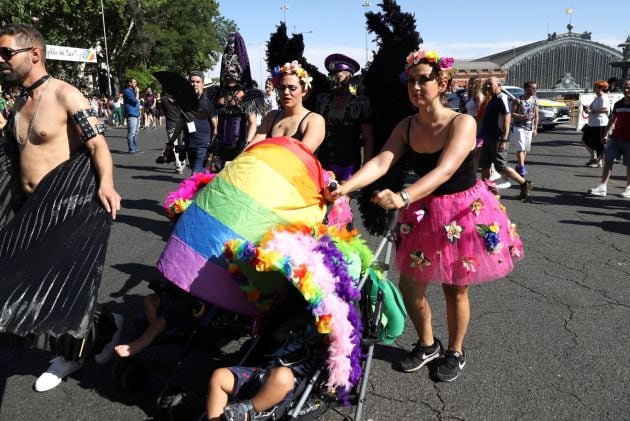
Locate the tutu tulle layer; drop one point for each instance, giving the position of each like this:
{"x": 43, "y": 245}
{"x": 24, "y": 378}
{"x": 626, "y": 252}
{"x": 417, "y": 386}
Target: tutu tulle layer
{"x": 457, "y": 239}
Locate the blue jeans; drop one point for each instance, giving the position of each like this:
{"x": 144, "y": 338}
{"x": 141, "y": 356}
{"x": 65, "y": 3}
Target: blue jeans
{"x": 197, "y": 158}
{"x": 132, "y": 132}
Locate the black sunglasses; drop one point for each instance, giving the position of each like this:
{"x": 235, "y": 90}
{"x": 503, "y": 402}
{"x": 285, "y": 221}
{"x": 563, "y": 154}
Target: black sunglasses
{"x": 6, "y": 53}
{"x": 421, "y": 80}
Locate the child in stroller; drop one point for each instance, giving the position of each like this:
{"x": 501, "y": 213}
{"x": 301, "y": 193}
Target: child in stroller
{"x": 273, "y": 381}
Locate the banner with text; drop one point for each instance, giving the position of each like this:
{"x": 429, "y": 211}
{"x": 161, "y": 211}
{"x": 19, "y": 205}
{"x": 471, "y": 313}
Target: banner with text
{"x": 82, "y": 55}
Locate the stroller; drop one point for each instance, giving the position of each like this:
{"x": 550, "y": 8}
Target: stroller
{"x": 225, "y": 230}
{"x": 376, "y": 313}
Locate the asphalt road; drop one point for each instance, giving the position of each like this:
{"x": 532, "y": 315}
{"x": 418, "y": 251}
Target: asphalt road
{"x": 549, "y": 342}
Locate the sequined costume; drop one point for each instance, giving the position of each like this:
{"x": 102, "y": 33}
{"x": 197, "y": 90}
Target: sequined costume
{"x": 235, "y": 100}
{"x": 341, "y": 150}
{"x": 233, "y": 118}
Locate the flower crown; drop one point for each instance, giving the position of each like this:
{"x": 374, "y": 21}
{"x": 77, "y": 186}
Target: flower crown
{"x": 445, "y": 63}
{"x": 293, "y": 68}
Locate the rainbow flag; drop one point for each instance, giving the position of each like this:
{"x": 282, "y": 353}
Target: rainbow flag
{"x": 276, "y": 181}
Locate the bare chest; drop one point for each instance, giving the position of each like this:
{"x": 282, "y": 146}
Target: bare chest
{"x": 39, "y": 119}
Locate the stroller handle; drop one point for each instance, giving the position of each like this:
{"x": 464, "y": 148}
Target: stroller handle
{"x": 392, "y": 220}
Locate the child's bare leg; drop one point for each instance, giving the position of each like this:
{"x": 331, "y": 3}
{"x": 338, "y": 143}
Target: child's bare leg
{"x": 149, "y": 335}
{"x": 279, "y": 383}
{"x": 151, "y": 307}
{"x": 221, "y": 385}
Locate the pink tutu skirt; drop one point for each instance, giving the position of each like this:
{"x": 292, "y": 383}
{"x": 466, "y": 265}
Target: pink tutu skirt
{"x": 457, "y": 239}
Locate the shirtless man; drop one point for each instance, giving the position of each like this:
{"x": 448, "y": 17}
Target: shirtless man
{"x": 52, "y": 127}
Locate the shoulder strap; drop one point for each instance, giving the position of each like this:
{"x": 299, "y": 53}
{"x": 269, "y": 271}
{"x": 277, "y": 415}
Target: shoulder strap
{"x": 408, "y": 129}
{"x": 273, "y": 122}
{"x": 299, "y": 126}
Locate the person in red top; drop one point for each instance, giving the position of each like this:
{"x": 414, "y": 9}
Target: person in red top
{"x": 617, "y": 143}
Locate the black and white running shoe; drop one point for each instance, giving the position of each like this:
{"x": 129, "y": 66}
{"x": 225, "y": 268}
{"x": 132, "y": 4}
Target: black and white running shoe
{"x": 449, "y": 366}
{"x": 421, "y": 355}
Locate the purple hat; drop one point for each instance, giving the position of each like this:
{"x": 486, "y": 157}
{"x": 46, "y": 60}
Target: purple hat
{"x": 338, "y": 62}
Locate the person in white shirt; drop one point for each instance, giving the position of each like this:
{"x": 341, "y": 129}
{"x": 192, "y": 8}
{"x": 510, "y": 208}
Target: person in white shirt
{"x": 597, "y": 121}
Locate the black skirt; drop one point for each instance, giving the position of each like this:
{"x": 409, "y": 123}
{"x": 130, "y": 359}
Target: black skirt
{"x": 52, "y": 249}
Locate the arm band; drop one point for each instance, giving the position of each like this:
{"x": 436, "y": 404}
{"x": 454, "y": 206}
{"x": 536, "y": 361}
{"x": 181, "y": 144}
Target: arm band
{"x": 86, "y": 129}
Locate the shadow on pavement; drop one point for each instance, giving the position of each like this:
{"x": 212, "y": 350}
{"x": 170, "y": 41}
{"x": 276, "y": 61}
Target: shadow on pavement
{"x": 158, "y": 227}
{"x": 138, "y": 273}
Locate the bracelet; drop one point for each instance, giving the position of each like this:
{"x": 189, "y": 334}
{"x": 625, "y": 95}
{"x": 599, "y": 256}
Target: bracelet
{"x": 405, "y": 198}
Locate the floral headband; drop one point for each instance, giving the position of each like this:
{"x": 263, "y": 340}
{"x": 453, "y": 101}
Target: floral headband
{"x": 445, "y": 63}
{"x": 293, "y": 68}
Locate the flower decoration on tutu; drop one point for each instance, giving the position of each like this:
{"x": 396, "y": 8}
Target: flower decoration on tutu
{"x": 293, "y": 68}
{"x": 477, "y": 206}
{"x": 419, "y": 260}
{"x": 470, "y": 264}
{"x": 453, "y": 231}
{"x": 490, "y": 236}
{"x": 178, "y": 201}
{"x": 316, "y": 261}
{"x": 445, "y": 63}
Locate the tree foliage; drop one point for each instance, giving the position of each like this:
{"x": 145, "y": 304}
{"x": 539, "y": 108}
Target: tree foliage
{"x": 282, "y": 49}
{"x": 396, "y": 36}
{"x": 142, "y": 35}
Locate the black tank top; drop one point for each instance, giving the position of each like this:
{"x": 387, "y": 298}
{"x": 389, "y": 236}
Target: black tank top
{"x": 422, "y": 163}
{"x": 298, "y": 135}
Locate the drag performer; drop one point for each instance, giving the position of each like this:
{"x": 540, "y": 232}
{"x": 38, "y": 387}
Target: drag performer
{"x": 347, "y": 118}
{"x": 58, "y": 201}
{"x": 453, "y": 230}
{"x": 237, "y": 103}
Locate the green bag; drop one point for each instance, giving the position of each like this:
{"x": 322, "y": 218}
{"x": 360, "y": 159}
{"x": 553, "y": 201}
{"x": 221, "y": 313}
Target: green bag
{"x": 394, "y": 312}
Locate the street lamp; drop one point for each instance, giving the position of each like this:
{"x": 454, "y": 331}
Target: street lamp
{"x": 109, "y": 81}
{"x": 284, "y": 9}
{"x": 366, "y": 4}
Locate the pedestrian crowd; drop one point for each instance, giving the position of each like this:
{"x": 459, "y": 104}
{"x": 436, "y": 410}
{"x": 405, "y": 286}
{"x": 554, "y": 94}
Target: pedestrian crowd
{"x": 452, "y": 229}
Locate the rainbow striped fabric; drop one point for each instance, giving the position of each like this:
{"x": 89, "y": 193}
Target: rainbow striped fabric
{"x": 276, "y": 181}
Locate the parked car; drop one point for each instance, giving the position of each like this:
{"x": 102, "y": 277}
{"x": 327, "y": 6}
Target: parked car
{"x": 551, "y": 113}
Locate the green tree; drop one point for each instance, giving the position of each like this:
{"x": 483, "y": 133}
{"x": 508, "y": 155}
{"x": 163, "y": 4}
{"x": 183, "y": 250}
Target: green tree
{"x": 396, "y": 36}
{"x": 282, "y": 49}
{"x": 142, "y": 35}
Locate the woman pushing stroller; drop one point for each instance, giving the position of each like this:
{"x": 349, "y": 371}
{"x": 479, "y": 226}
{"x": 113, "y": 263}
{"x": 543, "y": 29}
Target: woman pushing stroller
{"x": 453, "y": 231}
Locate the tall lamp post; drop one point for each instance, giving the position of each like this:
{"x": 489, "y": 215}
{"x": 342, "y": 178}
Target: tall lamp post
{"x": 284, "y": 9}
{"x": 365, "y": 5}
{"x": 109, "y": 79}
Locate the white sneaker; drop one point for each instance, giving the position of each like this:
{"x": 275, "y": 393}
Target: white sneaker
{"x": 108, "y": 350}
{"x": 494, "y": 175}
{"x": 625, "y": 193}
{"x": 503, "y": 183}
{"x": 599, "y": 190}
{"x": 58, "y": 370}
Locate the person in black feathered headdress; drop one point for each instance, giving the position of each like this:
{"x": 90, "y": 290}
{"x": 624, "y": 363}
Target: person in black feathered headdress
{"x": 237, "y": 103}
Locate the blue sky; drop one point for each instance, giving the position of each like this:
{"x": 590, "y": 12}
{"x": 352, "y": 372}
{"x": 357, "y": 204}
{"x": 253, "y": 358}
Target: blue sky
{"x": 455, "y": 28}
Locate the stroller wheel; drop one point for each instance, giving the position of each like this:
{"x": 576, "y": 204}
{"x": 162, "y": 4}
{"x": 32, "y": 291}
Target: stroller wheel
{"x": 177, "y": 404}
{"x": 129, "y": 374}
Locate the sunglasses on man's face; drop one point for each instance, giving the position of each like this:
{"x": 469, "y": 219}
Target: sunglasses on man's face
{"x": 7, "y": 53}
